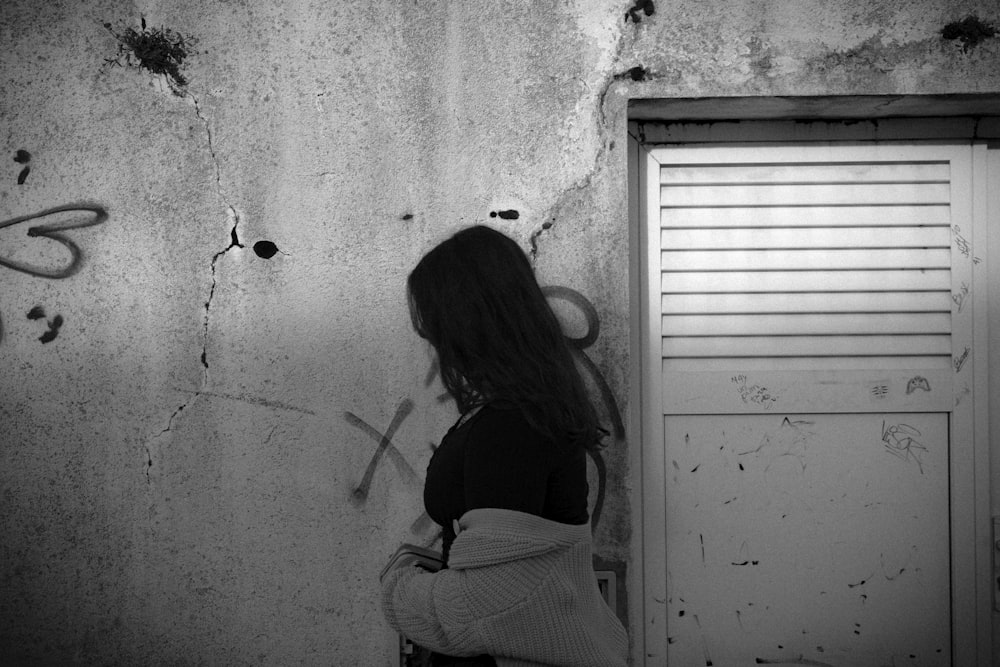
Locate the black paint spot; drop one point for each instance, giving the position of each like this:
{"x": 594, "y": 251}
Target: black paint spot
{"x": 970, "y": 31}
{"x": 645, "y": 6}
{"x": 408, "y": 216}
{"x": 638, "y": 73}
{"x": 509, "y": 214}
{"x": 36, "y": 313}
{"x": 23, "y": 157}
{"x": 265, "y": 249}
{"x": 53, "y": 331}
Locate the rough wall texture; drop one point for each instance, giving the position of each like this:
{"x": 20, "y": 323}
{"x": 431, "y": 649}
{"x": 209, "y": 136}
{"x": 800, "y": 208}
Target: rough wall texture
{"x": 190, "y": 468}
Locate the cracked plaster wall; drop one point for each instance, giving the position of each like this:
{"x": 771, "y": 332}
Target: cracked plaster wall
{"x": 178, "y": 473}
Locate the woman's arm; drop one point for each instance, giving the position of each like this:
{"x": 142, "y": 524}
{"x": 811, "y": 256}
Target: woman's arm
{"x": 424, "y": 607}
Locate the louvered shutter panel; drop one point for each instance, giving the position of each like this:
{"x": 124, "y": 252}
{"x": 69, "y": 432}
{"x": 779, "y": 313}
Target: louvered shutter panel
{"x": 825, "y": 268}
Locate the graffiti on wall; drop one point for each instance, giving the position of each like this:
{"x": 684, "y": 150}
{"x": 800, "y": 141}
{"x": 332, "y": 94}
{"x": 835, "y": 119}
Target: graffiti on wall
{"x": 385, "y": 448}
{"x": 60, "y": 219}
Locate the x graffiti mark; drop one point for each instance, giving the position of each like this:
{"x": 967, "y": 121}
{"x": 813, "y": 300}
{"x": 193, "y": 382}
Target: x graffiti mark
{"x": 385, "y": 446}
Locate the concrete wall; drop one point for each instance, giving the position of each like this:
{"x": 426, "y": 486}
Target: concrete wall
{"x": 190, "y": 464}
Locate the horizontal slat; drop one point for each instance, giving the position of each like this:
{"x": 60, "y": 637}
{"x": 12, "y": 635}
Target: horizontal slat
{"x": 742, "y": 364}
{"x": 809, "y": 172}
{"x": 805, "y": 195}
{"x": 823, "y": 237}
{"x": 806, "y": 281}
{"x": 821, "y": 324}
{"x": 802, "y": 346}
{"x": 782, "y": 260}
{"x": 807, "y": 216}
{"x": 847, "y": 302}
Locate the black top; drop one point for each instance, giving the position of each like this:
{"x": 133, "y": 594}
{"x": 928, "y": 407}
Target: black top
{"x": 496, "y": 459}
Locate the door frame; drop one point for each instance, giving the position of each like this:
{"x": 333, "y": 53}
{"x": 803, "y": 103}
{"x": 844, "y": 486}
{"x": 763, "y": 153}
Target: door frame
{"x": 969, "y": 478}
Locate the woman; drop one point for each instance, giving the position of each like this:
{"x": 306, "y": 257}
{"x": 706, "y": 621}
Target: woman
{"x": 508, "y": 484}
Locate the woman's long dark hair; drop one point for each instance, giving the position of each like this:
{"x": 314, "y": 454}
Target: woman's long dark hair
{"x": 474, "y": 297}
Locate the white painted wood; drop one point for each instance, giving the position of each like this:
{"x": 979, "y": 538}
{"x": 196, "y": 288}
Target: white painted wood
{"x": 817, "y": 216}
{"x": 806, "y": 195}
{"x": 805, "y": 346}
{"x": 829, "y": 302}
{"x": 654, "y": 631}
{"x": 844, "y": 172}
{"x": 635, "y": 579}
{"x": 806, "y": 324}
{"x": 811, "y": 364}
{"x": 963, "y": 521}
{"x": 741, "y": 238}
{"x": 908, "y": 129}
{"x": 787, "y": 391}
{"x": 805, "y": 260}
{"x": 992, "y": 284}
{"x": 813, "y": 539}
{"x": 806, "y": 281}
{"x": 724, "y": 293}
{"x": 985, "y": 181}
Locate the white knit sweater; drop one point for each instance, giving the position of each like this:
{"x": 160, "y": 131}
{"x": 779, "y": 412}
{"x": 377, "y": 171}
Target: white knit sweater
{"x": 518, "y": 587}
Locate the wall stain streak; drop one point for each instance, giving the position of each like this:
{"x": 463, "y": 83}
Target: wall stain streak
{"x": 253, "y": 400}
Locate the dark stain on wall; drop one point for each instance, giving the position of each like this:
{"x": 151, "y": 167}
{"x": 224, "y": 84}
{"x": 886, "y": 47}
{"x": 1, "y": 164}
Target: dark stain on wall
{"x": 970, "y": 31}
{"x": 644, "y": 6}
{"x": 509, "y": 214}
{"x": 38, "y": 313}
{"x": 23, "y": 157}
{"x": 54, "y": 324}
{"x": 638, "y": 73}
{"x": 158, "y": 50}
{"x": 265, "y": 249}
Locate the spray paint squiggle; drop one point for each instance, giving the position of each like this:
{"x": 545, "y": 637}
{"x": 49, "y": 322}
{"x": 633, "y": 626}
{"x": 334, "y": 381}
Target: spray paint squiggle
{"x": 88, "y": 216}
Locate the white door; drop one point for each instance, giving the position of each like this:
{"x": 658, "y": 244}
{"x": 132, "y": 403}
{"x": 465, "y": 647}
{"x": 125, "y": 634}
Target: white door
{"x": 808, "y": 482}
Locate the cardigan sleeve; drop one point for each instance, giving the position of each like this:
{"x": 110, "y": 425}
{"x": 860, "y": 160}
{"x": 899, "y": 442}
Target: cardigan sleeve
{"x": 410, "y": 599}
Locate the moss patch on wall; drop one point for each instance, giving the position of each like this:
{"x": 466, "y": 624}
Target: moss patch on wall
{"x": 158, "y": 50}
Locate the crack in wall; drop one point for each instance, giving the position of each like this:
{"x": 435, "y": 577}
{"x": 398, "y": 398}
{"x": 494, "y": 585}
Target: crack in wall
{"x": 605, "y": 141}
{"x": 233, "y": 218}
{"x": 231, "y": 215}
{"x": 170, "y": 423}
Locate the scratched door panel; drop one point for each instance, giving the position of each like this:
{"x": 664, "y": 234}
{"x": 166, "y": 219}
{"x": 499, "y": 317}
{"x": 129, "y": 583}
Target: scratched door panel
{"x": 807, "y": 539}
